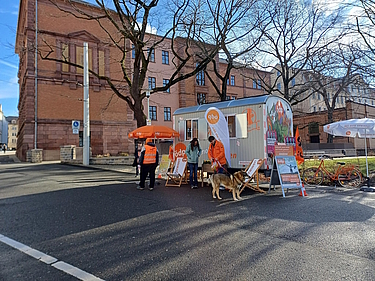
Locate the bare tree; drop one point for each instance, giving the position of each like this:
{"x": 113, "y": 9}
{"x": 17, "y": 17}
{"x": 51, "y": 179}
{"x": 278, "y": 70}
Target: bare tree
{"x": 332, "y": 72}
{"x": 126, "y": 25}
{"x": 297, "y": 31}
{"x": 365, "y": 24}
{"x": 231, "y": 26}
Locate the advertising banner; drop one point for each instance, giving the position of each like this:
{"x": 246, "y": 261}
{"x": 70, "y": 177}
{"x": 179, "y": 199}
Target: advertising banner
{"x": 219, "y": 128}
{"x": 271, "y": 142}
{"x": 288, "y": 172}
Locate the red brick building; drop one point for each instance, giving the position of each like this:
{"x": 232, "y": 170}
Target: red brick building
{"x": 310, "y": 126}
{"x": 48, "y": 104}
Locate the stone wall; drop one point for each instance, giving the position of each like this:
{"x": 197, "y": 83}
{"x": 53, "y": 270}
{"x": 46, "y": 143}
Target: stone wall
{"x": 67, "y": 153}
{"x": 34, "y": 155}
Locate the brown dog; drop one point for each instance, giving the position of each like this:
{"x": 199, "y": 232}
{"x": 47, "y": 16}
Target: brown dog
{"x": 232, "y": 182}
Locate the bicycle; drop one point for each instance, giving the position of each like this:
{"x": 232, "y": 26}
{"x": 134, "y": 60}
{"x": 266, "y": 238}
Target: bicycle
{"x": 345, "y": 175}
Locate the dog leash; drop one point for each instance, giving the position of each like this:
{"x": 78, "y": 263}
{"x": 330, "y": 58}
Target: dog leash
{"x": 222, "y": 167}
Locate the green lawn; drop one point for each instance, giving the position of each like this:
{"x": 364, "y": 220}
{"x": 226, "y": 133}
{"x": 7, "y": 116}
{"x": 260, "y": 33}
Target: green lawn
{"x": 331, "y": 165}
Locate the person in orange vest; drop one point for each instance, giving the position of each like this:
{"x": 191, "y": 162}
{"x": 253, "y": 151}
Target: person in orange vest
{"x": 148, "y": 160}
{"x": 216, "y": 154}
{"x": 171, "y": 156}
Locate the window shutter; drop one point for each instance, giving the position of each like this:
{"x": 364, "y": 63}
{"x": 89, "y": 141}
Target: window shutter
{"x": 241, "y": 126}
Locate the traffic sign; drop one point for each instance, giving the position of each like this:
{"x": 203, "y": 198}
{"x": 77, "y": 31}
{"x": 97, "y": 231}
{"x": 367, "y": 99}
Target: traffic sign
{"x": 76, "y": 124}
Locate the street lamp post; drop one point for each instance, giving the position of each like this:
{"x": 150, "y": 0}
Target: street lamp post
{"x": 148, "y": 107}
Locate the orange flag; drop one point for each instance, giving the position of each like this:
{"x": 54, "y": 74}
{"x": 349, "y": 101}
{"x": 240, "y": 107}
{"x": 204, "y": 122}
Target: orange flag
{"x": 299, "y": 151}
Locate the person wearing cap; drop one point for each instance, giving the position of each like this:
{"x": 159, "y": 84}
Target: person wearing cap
{"x": 148, "y": 160}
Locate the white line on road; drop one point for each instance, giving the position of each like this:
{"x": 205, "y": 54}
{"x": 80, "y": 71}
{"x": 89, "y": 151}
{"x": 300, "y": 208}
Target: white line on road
{"x": 65, "y": 267}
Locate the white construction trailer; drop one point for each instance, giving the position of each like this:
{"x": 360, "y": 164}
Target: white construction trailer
{"x": 250, "y": 121}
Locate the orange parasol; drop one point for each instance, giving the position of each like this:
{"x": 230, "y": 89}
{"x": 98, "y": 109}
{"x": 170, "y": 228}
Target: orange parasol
{"x": 153, "y": 131}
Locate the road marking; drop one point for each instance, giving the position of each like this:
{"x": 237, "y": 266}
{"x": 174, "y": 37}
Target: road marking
{"x": 60, "y": 265}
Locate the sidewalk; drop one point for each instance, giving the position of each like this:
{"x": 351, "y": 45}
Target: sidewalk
{"x": 8, "y": 157}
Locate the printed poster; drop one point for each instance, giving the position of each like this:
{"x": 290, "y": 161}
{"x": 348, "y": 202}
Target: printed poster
{"x": 287, "y": 169}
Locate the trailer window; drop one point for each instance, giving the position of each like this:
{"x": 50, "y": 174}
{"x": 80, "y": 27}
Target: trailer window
{"x": 191, "y": 129}
{"x": 231, "y": 120}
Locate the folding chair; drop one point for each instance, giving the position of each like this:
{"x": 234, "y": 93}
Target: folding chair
{"x": 178, "y": 174}
{"x": 252, "y": 173}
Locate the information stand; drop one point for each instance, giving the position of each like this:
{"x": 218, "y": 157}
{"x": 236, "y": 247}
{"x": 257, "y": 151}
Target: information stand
{"x": 285, "y": 170}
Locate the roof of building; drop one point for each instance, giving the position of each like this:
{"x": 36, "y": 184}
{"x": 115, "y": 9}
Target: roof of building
{"x": 10, "y": 118}
{"x": 238, "y": 64}
{"x": 223, "y": 104}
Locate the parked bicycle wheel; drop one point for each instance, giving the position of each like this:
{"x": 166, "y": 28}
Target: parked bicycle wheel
{"x": 312, "y": 176}
{"x": 351, "y": 178}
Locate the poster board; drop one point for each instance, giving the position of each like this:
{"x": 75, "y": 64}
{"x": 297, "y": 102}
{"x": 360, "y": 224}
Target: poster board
{"x": 288, "y": 172}
{"x": 164, "y": 165}
{"x": 283, "y": 150}
{"x": 279, "y": 150}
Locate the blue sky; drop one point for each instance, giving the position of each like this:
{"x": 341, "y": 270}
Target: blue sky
{"x": 8, "y": 59}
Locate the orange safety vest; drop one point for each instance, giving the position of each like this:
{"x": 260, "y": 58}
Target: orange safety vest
{"x": 150, "y": 155}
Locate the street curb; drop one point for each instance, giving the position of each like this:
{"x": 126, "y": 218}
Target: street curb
{"x": 95, "y": 168}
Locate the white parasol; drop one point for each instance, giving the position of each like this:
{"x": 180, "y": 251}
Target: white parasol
{"x": 362, "y": 128}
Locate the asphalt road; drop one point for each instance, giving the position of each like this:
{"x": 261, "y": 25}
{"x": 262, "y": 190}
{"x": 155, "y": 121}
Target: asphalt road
{"x": 98, "y": 223}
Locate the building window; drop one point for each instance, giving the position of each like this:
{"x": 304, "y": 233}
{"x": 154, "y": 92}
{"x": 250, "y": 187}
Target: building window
{"x": 151, "y": 82}
{"x": 153, "y": 115}
{"x": 259, "y": 84}
{"x": 313, "y": 96}
{"x": 65, "y": 57}
{"x": 164, "y": 57}
{"x": 133, "y": 52}
{"x": 191, "y": 129}
{"x": 165, "y": 82}
{"x": 201, "y": 98}
{"x": 342, "y": 99}
{"x": 152, "y": 55}
{"x": 200, "y": 77}
{"x": 101, "y": 63}
{"x": 254, "y": 84}
{"x": 318, "y": 96}
{"x": 313, "y": 128}
{"x": 167, "y": 114}
{"x": 232, "y": 80}
{"x": 314, "y": 108}
{"x": 79, "y": 59}
{"x": 279, "y": 86}
{"x": 100, "y": 59}
{"x": 293, "y": 82}
{"x": 278, "y": 73}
